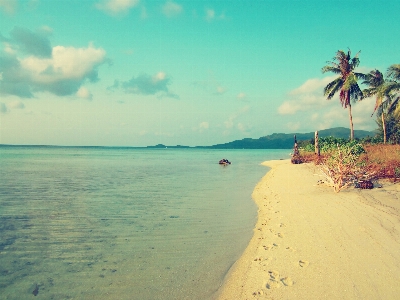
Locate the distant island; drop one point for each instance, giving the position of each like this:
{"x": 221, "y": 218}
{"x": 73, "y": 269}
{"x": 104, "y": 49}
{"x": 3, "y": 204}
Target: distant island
{"x": 278, "y": 140}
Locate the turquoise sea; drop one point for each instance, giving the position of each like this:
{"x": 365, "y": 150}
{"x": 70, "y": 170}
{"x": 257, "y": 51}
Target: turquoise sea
{"x": 123, "y": 223}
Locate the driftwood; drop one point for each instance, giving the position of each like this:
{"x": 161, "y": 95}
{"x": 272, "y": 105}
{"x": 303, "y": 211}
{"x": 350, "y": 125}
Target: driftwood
{"x": 317, "y": 151}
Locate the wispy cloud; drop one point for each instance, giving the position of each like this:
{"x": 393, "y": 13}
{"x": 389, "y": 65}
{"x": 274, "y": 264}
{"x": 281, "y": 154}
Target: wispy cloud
{"x": 147, "y": 85}
{"x": 116, "y": 7}
{"x": 241, "y": 96}
{"x": 9, "y": 6}
{"x": 171, "y": 9}
{"x": 211, "y": 15}
{"x": 84, "y": 93}
{"x": 308, "y": 95}
{"x": 211, "y": 85}
{"x": 202, "y": 127}
{"x": 230, "y": 123}
{"x": 17, "y": 104}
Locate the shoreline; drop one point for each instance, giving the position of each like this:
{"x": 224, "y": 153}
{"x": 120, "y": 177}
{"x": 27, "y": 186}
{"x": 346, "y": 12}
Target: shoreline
{"x": 311, "y": 243}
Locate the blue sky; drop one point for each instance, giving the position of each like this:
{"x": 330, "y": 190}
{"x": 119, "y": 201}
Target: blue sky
{"x": 137, "y": 73}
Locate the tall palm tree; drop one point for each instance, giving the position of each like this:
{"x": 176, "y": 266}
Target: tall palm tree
{"x": 377, "y": 87}
{"x": 346, "y": 83}
{"x": 393, "y": 75}
{"x": 393, "y": 88}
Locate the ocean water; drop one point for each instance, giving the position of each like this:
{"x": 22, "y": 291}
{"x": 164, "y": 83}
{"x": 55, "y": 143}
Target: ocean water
{"x": 123, "y": 223}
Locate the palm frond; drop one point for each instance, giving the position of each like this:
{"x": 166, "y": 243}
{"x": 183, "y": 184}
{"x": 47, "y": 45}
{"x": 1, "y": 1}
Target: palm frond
{"x": 333, "y": 69}
{"x": 393, "y": 72}
{"x": 355, "y": 92}
{"x": 395, "y": 105}
{"x": 332, "y": 87}
{"x": 369, "y": 92}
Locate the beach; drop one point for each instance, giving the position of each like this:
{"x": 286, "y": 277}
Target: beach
{"x": 312, "y": 243}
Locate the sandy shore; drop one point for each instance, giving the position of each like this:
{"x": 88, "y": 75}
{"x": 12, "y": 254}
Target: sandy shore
{"x": 311, "y": 243}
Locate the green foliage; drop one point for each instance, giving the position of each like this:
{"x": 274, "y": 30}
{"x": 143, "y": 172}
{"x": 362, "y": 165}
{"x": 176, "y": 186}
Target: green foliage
{"x": 392, "y": 123}
{"x": 331, "y": 144}
{"x": 342, "y": 168}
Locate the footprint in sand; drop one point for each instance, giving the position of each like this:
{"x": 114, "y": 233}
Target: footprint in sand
{"x": 275, "y": 281}
{"x": 267, "y": 247}
{"x": 281, "y": 235}
{"x": 282, "y": 225}
{"x": 303, "y": 263}
{"x": 273, "y": 274}
{"x": 287, "y": 281}
{"x": 272, "y": 285}
{"x": 291, "y": 249}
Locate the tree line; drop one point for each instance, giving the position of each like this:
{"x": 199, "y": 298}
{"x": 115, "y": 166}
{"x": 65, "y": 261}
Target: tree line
{"x": 386, "y": 89}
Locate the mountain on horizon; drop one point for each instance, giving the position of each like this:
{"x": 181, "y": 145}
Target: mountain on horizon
{"x": 286, "y": 140}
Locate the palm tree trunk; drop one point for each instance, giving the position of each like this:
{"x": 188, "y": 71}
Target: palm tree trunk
{"x": 384, "y": 128}
{"x": 351, "y": 123}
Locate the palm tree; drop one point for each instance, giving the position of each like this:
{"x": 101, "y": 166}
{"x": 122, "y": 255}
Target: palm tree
{"x": 346, "y": 83}
{"x": 377, "y": 86}
{"x": 393, "y": 88}
{"x": 393, "y": 75}
{"x": 394, "y": 72}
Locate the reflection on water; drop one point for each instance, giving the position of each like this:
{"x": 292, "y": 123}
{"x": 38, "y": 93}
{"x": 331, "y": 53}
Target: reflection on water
{"x": 97, "y": 223}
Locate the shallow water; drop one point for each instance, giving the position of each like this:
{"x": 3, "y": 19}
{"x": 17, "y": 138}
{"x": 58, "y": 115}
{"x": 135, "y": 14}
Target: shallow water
{"x": 120, "y": 223}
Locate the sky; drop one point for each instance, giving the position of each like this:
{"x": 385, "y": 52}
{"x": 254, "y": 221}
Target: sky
{"x": 147, "y": 72}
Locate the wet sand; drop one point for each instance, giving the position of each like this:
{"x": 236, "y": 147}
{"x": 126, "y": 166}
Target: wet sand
{"x": 312, "y": 243}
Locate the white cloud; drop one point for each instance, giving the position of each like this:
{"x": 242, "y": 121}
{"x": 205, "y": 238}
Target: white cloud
{"x": 171, "y": 9}
{"x": 31, "y": 65}
{"x": 115, "y": 7}
{"x": 220, "y": 90}
{"x": 65, "y": 63}
{"x": 211, "y": 85}
{"x": 16, "y": 104}
{"x": 211, "y": 15}
{"x": 204, "y": 125}
{"x": 312, "y": 85}
{"x": 46, "y": 29}
{"x": 147, "y": 85}
{"x": 309, "y": 96}
{"x": 242, "y": 128}
{"x": 84, "y": 93}
{"x": 293, "y": 126}
{"x": 231, "y": 120}
{"x": 289, "y": 108}
{"x": 241, "y": 96}
{"x": 8, "y": 48}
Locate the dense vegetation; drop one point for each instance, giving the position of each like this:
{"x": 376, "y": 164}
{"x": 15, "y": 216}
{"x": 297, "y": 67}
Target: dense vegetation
{"x": 345, "y": 162}
{"x": 359, "y": 161}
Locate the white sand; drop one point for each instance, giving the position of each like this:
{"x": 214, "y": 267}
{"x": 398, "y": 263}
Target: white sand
{"x": 312, "y": 243}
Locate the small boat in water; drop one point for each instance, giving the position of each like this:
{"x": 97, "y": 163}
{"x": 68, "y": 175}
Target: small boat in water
{"x": 224, "y": 161}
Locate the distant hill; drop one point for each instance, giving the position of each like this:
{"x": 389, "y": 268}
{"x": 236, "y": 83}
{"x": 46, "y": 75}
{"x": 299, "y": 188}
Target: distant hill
{"x": 286, "y": 141}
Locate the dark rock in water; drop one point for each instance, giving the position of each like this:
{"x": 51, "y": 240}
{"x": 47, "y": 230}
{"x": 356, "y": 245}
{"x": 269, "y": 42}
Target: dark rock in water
{"x": 36, "y": 290}
{"x": 364, "y": 184}
{"x": 224, "y": 161}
